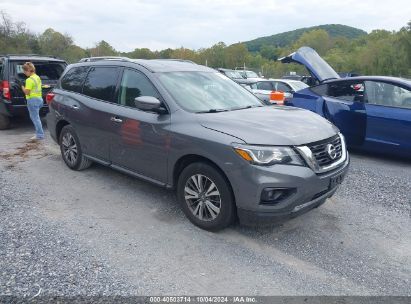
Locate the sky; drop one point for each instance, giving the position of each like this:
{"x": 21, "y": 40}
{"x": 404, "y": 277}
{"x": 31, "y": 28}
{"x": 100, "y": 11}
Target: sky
{"x": 160, "y": 24}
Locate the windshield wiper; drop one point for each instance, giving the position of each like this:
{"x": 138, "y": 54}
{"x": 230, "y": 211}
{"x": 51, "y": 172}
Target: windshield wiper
{"x": 213, "y": 111}
{"x": 243, "y": 108}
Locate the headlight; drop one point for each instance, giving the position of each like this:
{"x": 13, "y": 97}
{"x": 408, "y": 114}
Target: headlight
{"x": 267, "y": 156}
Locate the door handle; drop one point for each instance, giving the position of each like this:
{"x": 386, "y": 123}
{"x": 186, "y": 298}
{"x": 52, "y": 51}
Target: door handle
{"x": 116, "y": 119}
{"x": 75, "y": 107}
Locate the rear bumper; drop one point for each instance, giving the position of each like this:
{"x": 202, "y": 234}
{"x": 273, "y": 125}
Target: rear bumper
{"x": 9, "y": 109}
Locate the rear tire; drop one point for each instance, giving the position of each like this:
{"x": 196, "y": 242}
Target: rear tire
{"x": 4, "y": 122}
{"x": 206, "y": 197}
{"x": 71, "y": 150}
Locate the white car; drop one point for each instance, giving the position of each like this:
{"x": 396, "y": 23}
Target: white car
{"x": 264, "y": 87}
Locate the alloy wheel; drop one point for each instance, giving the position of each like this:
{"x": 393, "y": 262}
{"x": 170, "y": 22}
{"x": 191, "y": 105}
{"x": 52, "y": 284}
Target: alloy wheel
{"x": 202, "y": 197}
{"x": 69, "y": 148}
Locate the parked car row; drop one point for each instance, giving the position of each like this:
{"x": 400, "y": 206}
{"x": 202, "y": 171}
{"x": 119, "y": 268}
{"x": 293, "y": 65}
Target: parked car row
{"x": 264, "y": 89}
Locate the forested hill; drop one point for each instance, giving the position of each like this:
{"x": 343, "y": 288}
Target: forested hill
{"x": 288, "y": 38}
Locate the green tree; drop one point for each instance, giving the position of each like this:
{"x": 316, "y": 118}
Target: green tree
{"x": 54, "y": 43}
{"x": 102, "y": 48}
{"x": 143, "y": 53}
{"x": 317, "y": 39}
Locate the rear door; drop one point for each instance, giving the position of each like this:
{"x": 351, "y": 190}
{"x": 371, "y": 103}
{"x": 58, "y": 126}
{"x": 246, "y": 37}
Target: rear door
{"x": 141, "y": 141}
{"x": 263, "y": 90}
{"x": 388, "y": 107}
{"x": 91, "y": 111}
{"x": 285, "y": 88}
{"x": 344, "y": 106}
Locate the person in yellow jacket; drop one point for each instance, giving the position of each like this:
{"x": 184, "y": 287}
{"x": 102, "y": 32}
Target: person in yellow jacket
{"x": 34, "y": 98}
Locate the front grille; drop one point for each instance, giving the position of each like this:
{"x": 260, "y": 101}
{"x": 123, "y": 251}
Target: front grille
{"x": 321, "y": 154}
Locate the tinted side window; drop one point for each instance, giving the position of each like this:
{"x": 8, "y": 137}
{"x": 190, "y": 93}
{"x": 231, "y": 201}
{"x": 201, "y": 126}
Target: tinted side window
{"x": 101, "y": 82}
{"x": 283, "y": 87}
{"x": 265, "y": 85}
{"x": 386, "y": 94}
{"x": 73, "y": 80}
{"x": 349, "y": 91}
{"x": 135, "y": 84}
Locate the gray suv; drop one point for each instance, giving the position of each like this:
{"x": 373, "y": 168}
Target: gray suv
{"x": 187, "y": 127}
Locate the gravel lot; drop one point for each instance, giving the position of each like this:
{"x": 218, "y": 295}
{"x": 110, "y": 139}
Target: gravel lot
{"x": 100, "y": 232}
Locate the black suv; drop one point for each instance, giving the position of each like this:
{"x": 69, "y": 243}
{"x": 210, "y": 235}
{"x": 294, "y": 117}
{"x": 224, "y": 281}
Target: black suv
{"x": 185, "y": 126}
{"x": 12, "y": 99}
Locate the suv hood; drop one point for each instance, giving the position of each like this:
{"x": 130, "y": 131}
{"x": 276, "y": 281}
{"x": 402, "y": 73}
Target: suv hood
{"x": 317, "y": 66}
{"x": 270, "y": 125}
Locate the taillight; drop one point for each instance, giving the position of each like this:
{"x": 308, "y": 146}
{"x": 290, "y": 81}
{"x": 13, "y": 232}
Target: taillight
{"x": 50, "y": 97}
{"x": 5, "y": 86}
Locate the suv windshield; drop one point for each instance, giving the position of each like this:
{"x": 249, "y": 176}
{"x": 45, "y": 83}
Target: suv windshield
{"x": 45, "y": 70}
{"x": 248, "y": 74}
{"x": 251, "y": 74}
{"x": 233, "y": 74}
{"x": 205, "y": 91}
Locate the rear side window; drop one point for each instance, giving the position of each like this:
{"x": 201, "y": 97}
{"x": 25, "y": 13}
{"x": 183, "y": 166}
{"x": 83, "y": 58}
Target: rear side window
{"x": 265, "y": 85}
{"x": 45, "y": 70}
{"x": 101, "y": 82}
{"x": 282, "y": 87}
{"x": 74, "y": 79}
{"x": 135, "y": 84}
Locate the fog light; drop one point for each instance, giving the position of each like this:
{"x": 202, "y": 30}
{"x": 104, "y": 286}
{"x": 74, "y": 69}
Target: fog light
{"x": 275, "y": 195}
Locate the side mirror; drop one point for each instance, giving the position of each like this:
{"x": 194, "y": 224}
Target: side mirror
{"x": 149, "y": 103}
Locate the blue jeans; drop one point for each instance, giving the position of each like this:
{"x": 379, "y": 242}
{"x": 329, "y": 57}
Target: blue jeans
{"x": 34, "y": 105}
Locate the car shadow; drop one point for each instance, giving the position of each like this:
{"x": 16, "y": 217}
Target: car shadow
{"x": 378, "y": 157}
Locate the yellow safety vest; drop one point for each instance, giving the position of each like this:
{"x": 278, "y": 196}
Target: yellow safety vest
{"x": 33, "y": 83}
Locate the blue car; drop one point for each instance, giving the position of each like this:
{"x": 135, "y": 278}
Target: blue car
{"x": 373, "y": 112}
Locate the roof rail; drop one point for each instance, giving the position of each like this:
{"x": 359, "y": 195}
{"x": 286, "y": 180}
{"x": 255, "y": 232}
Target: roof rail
{"x": 181, "y": 60}
{"x": 92, "y": 59}
{"x": 29, "y": 55}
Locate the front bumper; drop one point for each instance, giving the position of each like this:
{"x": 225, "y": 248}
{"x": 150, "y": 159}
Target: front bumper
{"x": 309, "y": 191}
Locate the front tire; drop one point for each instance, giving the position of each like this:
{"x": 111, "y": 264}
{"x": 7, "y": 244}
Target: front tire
{"x": 4, "y": 122}
{"x": 71, "y": 150}
{"x": 205, "y": 197}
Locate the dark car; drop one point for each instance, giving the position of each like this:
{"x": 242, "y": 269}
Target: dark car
{"x": 12, "y": 99}
{"x": 373, "y": 112}
{"x": 184, "y": 126}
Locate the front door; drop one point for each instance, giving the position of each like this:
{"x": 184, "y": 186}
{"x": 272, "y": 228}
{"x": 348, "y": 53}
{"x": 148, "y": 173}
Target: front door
{"x": 141, "y": 139}
{"x": 344, "y": 107}
{"x": 389, "y": 115}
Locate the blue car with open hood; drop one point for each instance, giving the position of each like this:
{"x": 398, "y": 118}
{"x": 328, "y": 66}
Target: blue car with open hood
{"x": 373, "y": 112}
